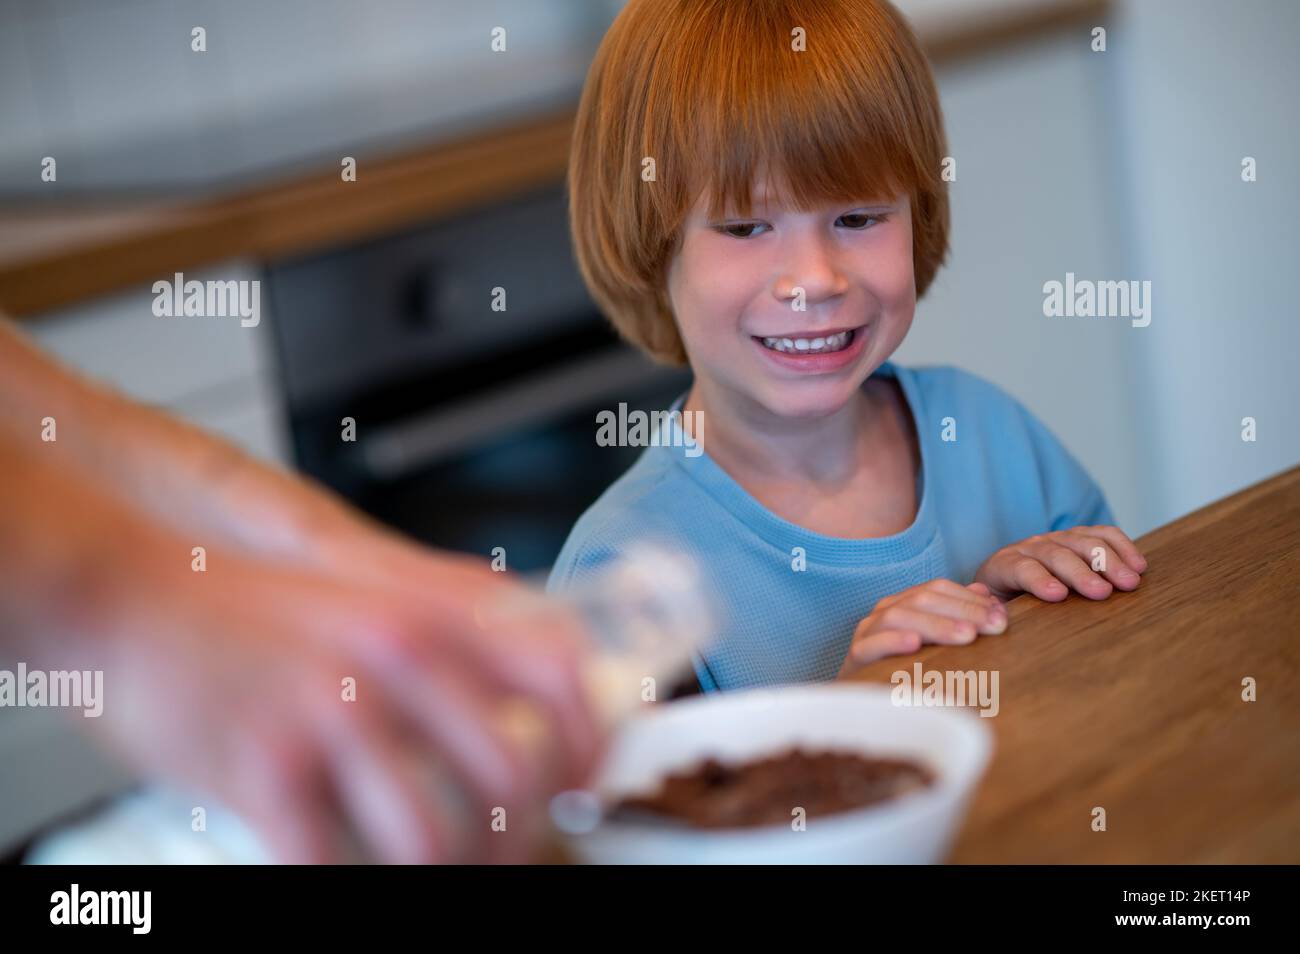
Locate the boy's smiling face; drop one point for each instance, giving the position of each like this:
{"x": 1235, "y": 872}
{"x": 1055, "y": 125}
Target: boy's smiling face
{"x": 733, "y": 282}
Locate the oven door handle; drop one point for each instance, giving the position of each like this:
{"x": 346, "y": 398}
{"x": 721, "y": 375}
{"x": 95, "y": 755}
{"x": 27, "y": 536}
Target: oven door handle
{"x": 397, "y": 449}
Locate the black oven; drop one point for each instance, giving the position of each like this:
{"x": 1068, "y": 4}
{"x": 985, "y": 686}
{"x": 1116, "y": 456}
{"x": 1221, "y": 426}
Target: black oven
{"x": 474, "y": 426}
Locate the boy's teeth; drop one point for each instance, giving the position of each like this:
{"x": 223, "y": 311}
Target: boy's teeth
{"x": 810, "y": 345}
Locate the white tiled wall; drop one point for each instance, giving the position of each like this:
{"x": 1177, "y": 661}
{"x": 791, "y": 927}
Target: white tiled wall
{"x": 114, "y": 92}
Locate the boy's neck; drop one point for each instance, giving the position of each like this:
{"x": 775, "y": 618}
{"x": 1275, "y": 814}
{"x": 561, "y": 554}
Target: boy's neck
{"x": 745, "y": 438}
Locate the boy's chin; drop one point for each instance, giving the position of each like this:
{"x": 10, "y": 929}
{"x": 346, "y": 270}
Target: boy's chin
{"x": 804, "y": 403}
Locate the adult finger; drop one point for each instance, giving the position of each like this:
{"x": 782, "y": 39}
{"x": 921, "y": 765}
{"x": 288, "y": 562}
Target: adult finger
{"x": 541, "y": 657}
{"x": 393, "y": 802}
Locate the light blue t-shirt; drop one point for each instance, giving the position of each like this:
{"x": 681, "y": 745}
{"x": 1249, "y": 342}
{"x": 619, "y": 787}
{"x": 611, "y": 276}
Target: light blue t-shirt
{"x": 1004, "y": 478}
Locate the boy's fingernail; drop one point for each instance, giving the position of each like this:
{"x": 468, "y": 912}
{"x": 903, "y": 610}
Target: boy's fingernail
{"x": 1127, "y": 576}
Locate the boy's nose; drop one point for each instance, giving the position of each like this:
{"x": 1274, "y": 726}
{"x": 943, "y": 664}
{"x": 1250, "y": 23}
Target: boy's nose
{"x": 817, "y": 286}
{"x": 811, "y": 267}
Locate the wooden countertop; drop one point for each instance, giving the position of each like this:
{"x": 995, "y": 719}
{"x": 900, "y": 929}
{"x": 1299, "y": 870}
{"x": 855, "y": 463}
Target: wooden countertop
{"x": 53, "y": 256}
{"x": 1134, "y": 703}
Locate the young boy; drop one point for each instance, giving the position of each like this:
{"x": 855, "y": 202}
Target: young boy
{"x": 755, "y": 188}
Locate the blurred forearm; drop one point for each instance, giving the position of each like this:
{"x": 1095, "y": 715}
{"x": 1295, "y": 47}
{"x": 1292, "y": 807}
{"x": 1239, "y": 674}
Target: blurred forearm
{"x": 62, "y": 546}
{"x": 190, "y": 479}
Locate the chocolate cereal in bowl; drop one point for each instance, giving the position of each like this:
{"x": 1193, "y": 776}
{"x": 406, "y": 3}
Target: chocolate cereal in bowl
{"x": 833, "y": 774}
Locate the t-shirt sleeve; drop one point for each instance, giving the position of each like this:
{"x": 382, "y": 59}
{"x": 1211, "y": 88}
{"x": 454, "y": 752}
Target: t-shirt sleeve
{"x": 578, "y": 560}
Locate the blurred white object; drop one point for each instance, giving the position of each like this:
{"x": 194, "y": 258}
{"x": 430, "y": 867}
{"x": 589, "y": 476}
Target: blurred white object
{"x": 646, "y": 613}
{"x": 649, "y": 616}
{"x": 916, "y": 828}
{"x": 153, "y": 826}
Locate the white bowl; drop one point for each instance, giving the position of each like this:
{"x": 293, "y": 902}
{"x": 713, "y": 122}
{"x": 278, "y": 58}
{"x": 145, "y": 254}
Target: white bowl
{"x": 916, "y": 828}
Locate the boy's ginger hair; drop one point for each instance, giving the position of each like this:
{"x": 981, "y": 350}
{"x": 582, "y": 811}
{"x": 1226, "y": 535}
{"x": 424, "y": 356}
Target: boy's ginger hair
{"x": 715, "y": 93}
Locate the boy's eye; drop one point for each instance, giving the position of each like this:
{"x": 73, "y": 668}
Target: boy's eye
{"x": 860, "y": 220}
{"x": 857, "y": 221}
{"x": 740, "y": 230}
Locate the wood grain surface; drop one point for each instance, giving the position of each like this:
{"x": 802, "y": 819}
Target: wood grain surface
{"x": 1134, "y": 704}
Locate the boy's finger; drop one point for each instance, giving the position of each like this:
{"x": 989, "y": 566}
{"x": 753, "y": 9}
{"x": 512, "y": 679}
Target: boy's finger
{"x": 892, "y": 642}
{"x": 1120, "y": 542}
{"x": 1069, "y": 568}
{"x": 952, "y": 589}
{"x": 1119, "y": 573}
{"x": 983, "y": 613}
{"x": 932, "y": 627}
{"x": 1029, "y": 575}
{"x": 985, "y": 592}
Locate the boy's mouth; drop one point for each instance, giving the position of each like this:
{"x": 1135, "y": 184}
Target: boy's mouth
{"x": 809, "y": 344}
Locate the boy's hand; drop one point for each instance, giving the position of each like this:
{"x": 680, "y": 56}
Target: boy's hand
{"x": 937, "y": 611}
{"x": 1049, "y": 565}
